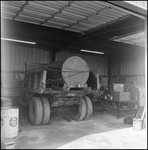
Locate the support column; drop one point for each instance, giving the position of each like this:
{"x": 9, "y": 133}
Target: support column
{"x": 53, "y": 56}
{"x": 109, "y": 69}
{"x": 146, "y": 71}
{"x": 119, "y": 62}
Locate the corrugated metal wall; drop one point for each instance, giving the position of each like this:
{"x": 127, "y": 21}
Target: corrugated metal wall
{"x": 132, "y": 67}
{"x": 13, "y": 56}
{"x": 139, "y": 80}
{"x": 114, "y": 68}
{"x": 128, "y": 67}
{"x": 94, "y": 62}
{"x": 114, "y": 80}
{"x": 130, "y": 70}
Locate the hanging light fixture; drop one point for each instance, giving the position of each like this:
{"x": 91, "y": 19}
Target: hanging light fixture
{"x": 96, "y": 52}
{"x": 14, "y": 40}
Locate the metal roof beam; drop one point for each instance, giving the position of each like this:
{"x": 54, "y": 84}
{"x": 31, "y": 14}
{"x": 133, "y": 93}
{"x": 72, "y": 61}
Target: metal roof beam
{"x": 21, "y": 9}
{"x": 124, "y": 46}
{"x": 112, "y": 44}
{"x": 58, "y": 12}
{"x": 119, "y": 32}
{"x": 105, "y": 25}
{"x": 98, "y": 32}
{"x": 10, "y": 27}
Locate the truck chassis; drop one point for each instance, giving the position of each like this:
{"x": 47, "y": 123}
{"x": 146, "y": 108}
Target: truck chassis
{"x": 43, "y": 100}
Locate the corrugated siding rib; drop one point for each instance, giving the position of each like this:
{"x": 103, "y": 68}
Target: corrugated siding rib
{"x": 94, "y": 62}
{"x": 36, "y": 12}
{"x": 134, "y": 67}
{"x": 13, "y": 57}
{"x": 114, "y": 68}
{"x": 140, "y": 80}
{"x": 114, "y": 79}
{"x": 130, "y": 67}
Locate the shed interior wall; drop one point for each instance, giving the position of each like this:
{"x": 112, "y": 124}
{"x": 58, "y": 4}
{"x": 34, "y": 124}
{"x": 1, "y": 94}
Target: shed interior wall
{"x": 132, "y": 67}
{"x": 14, "y": 56}
{"x": 94, "y": 62}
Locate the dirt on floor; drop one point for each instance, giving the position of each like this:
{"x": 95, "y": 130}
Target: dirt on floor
{"x": 61, "y": 130}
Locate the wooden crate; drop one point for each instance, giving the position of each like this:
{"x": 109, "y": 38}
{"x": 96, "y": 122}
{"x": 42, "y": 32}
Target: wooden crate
{"x": 117, "y": 88}
{"x": 127, "y": 87}
{"x": 121, "y": 96}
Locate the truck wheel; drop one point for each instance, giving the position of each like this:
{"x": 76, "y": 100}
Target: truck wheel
{"x": 80, "y": 114}
{"x": 89, "y": 107}
{"x": 46, "y": 110}
{"x": 35, "y": 111}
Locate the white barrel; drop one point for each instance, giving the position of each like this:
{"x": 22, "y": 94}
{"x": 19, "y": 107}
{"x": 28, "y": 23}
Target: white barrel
{"x": 9, "y": 121}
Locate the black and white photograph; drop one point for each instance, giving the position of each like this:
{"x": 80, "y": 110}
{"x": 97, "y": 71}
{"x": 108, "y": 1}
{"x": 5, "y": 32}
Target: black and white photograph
{"x": 73, "y": 74}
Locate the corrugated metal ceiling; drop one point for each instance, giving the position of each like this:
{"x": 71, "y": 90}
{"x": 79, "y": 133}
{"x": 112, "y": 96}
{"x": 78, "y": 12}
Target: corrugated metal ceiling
{"x": 77, "y": 16}
{"x": 136, "y": 39}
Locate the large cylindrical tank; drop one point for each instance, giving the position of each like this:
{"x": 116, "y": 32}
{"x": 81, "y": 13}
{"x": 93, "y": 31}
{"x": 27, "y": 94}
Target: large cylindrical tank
{"x": 73, "y": 71}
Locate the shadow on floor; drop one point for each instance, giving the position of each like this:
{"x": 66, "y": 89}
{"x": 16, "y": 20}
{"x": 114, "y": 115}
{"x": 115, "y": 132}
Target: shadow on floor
{"x": 60, "y": 132}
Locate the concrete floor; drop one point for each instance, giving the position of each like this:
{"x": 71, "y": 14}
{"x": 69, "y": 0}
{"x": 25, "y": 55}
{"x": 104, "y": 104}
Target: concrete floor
{"x": 78, "y": 134}
{"x": 126, "y": 138}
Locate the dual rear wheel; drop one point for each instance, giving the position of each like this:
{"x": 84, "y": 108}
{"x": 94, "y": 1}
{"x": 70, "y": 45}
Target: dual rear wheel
{"x": 39, "y": 110}
{"x": 83, "y": 111}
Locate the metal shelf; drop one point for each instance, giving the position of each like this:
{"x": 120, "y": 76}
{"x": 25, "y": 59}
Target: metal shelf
{"x": 121, "y": 108}
{"x": 118, "y": 105}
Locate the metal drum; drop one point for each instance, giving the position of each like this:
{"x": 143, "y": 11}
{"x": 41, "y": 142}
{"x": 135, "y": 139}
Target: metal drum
{"x": 9, "y": 121}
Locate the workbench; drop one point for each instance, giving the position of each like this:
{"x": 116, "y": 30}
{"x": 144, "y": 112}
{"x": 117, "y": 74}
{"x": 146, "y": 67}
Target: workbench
{"x": 123, "y": 105}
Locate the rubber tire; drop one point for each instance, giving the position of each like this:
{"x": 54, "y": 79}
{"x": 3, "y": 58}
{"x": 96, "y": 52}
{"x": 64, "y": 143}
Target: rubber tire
{"x": 82, "y": 111}
{"x": 46, "y": 110}
{"x": 89, "y": 107}
{"x": 35, "y": 118}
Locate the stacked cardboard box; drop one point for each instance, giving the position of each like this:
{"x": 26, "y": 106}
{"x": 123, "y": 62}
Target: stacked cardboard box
{"x": 127, "y": 87}
{"x": 122, "y": 96}
{"x": 116, "y": 88}
{"x": 128, "y": 92}
{"x": 140, "y": 90}
{"x": 120, "y": 92}
{"x": 134, "y": 95}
